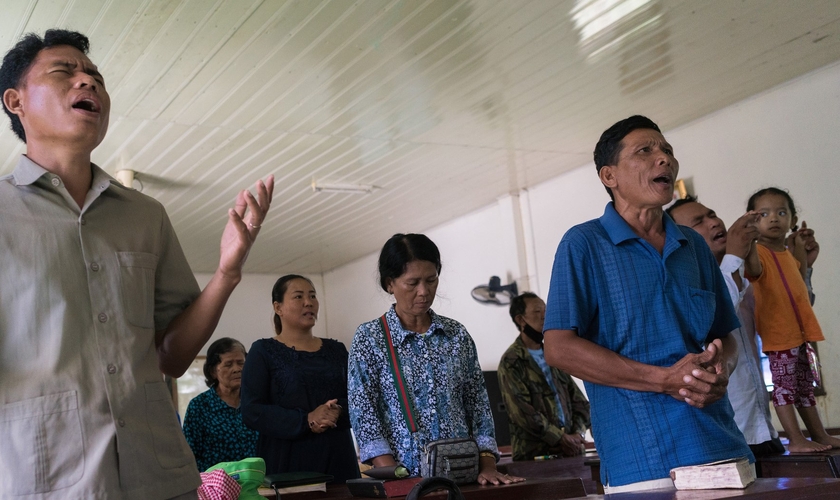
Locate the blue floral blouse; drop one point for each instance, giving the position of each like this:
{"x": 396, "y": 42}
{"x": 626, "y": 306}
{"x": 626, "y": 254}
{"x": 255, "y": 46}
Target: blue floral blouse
{"x": 443, "y": 378}
{"x": 215, "y": 432}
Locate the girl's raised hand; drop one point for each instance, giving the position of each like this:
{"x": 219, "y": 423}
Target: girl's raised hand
{"x": 812, "y": 248}
{"x": 796, "y": 246}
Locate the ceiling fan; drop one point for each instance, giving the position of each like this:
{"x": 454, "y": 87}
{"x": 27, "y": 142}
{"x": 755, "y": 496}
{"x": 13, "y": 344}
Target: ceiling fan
{"x": 130, "y": 178}
{"x": 494, "y": 292}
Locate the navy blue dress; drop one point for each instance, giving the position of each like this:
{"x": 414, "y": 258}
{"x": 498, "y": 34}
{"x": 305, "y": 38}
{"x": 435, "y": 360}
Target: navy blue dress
{"x": 280, "y": 386}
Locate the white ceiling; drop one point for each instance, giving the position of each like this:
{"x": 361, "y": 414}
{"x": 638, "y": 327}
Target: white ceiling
{"x": 446, "y": 105}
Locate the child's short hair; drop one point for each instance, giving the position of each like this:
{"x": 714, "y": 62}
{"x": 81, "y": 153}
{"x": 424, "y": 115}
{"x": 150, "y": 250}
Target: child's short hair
{"x": 772, "y": 190}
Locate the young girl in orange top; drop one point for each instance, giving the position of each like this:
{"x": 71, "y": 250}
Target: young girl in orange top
{"x": 784, "y": 318}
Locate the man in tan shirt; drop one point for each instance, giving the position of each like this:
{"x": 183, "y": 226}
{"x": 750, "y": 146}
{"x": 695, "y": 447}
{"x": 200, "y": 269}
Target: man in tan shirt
{"x": 96, "y": 297}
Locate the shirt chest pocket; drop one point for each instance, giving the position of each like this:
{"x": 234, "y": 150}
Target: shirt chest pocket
{"x": 137, "y": 284}
{"x": 701, "y": 313}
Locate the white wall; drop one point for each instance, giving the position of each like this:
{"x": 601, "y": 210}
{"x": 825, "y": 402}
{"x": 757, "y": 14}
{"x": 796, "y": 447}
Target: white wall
{"x": 557, "y": 205}
{"x": 473, "y": 248}
{"x": 354, "y": 297}
{"x": 249, "y": 315}
{"x": 786, "y": 137}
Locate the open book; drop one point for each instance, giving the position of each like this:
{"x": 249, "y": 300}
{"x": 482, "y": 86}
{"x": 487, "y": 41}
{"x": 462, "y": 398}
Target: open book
{"x": 733, "y": 473}
{"x": 293, "y": 489}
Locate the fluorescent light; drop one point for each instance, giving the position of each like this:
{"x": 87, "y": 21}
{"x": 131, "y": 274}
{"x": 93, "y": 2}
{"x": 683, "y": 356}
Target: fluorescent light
{"x": 327, "y": 187}
{"x": 593, "y": 17}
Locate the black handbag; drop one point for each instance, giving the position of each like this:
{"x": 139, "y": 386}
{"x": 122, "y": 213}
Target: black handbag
{"x": 431, "y": 484}
{"x": 456, "y": 459}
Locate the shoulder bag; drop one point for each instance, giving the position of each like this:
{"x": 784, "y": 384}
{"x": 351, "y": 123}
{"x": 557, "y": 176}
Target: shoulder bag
{"x": 456, "y": 459}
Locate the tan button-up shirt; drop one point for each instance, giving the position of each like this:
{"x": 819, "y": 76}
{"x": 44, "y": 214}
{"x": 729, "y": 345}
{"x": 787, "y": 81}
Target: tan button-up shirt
{"x": 84, "y": 412}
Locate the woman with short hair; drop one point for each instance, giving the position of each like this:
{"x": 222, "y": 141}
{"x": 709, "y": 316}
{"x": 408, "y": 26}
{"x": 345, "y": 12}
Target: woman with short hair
{"x": 213, "y": 422}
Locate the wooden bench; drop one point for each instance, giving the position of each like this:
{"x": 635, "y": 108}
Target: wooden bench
{"x": 825, "y": 464}
{"x": 568, "y": 467}
{"x": 795, "y": 488}
{"x": 542, "y": 488}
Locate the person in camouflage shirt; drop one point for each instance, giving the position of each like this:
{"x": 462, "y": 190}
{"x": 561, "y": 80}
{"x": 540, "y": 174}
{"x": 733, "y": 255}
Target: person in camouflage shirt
{"x": 548, "y": 412}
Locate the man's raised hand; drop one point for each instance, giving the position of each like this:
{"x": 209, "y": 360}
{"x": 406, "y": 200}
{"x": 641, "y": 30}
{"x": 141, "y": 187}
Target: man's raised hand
{"x": 244, "y": 223}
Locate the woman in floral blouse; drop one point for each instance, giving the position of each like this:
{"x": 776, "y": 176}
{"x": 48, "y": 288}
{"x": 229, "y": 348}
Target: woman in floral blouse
{"x": 439, "y": 366}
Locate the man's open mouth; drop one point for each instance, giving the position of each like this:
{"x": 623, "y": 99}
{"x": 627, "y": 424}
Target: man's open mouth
{"x": 87, "y": 104}
{"x": 664, "y": 179}
{"x": 719, "y": 236}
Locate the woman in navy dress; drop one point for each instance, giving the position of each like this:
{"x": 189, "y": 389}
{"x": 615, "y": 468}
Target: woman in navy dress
{"x": 294, "y": 390}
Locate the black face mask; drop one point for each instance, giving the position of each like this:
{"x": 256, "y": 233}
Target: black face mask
{"x": 535, "y": 335}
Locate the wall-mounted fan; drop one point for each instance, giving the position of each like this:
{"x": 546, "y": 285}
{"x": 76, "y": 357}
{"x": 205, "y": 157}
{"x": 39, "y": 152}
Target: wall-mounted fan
{"x": 494, "y": 292}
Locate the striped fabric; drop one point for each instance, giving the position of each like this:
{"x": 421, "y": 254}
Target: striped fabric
{"x": 396, "y": 372}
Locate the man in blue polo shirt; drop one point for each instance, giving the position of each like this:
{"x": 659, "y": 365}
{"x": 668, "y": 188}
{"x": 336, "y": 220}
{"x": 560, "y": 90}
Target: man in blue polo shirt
{"x": 633, "y": 301}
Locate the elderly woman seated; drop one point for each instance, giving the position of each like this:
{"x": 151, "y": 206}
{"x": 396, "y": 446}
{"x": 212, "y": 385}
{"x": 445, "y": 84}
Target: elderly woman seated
{"x": 213, "y": 423}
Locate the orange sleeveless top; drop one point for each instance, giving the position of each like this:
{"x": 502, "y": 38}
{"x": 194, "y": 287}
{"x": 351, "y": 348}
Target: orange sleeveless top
{"x": 775, "y": 318}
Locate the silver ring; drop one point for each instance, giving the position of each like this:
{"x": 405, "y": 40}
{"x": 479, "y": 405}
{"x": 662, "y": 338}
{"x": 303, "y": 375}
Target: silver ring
{"x": 255, "y": 227}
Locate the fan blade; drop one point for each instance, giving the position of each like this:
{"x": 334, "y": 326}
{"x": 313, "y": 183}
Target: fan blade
{"x": 160, "y": 182}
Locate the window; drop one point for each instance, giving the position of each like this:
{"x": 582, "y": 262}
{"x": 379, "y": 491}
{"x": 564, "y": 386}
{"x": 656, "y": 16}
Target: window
{"x": 190, "y": 385}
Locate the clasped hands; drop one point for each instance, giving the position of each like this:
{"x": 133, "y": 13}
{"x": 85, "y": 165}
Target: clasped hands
{"x": 324, "y": 417}
{"x": 571, "y": 445}
{"x": 699, "y": 379}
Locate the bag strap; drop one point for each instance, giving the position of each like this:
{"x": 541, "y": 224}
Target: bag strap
{"x": 812, "y": 353}
{"x": 790, "y": 294}
{"x": 431, "y": 484}
{"x": 396, "y": 372}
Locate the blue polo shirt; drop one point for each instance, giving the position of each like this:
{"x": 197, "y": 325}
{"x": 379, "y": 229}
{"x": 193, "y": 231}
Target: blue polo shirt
{"x": 617, "y": 291}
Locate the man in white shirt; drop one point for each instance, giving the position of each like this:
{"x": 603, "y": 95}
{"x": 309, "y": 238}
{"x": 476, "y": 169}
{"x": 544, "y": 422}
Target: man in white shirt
{"x": 747, "y": 390}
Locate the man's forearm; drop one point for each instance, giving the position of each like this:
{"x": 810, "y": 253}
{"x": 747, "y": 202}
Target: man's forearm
{"x": 729, "y": 353}
{"x": 583, "y": 359}
{"x": 811, "y": 295}
{"x": 180, "y": 343}
{"x": 686, "y": 380}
